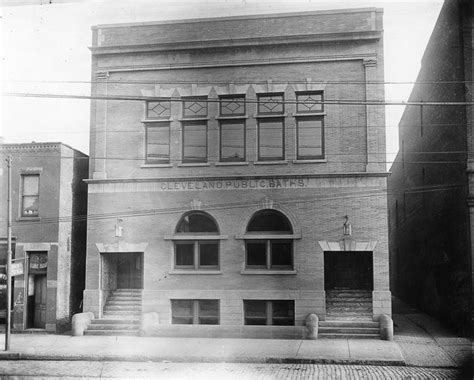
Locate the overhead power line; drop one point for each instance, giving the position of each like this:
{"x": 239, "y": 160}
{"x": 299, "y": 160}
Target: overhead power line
{"x": 247, "y": 101}
{"x": 229, "y": 206}
{"x": 237, "y": 82}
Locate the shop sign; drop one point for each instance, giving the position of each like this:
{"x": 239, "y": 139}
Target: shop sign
{"x": 38, "y": 262}
{"x": 17, "y": 269}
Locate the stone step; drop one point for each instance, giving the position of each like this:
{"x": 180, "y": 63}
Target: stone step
{"x": 350, "y": 324}
{"x": 344, "y": 310}
{"x": 124, "y": 298}
{"x": 124, "y": 302}
{"x": 121, "y": 313}
{"x": 112, "y": 332}
{"x": 115, "y": 321}
{"x": 348, "y": 336}
{"x": 121, "y": 308}
{"x": 109, "y": 326}
{"x": 348, "y": 330}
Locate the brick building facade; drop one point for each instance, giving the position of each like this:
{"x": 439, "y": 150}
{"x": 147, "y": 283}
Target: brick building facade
{"x": 48, "y": 197}
{"x": 222, "y": 168}
{"x": 430, "y": 194}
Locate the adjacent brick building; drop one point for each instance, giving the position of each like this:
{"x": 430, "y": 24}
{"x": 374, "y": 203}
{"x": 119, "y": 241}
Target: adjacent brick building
{"x": 49, "y": 204}
{"x": 431, "y": 186}
{"x": 222, "y": 168}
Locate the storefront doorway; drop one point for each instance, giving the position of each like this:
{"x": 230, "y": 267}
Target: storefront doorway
{"x": 37, "y": 290}
{"x": 348, "y": 270}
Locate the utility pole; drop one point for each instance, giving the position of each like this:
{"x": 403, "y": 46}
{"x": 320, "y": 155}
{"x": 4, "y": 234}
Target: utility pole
{"x": 9, "y": 255}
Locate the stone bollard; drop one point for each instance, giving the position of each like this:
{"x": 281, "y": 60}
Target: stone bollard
{"x": 311, "y": 325}
{"x": 148, "y": 321}
{"x": 386, "y": 327}
{"x": 80, "y": 322}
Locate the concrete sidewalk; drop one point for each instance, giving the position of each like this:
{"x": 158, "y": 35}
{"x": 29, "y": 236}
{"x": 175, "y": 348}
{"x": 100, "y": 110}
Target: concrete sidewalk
{"x": 340, "y": 351}
{"x": 419, "y": 341}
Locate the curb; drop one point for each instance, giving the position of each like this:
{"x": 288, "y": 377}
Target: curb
{"x": 194, "y": 359}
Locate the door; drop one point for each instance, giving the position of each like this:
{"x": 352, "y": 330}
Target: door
{"x": 129, "y": 271}
{"x": 348, "y": 270}
{"x": 40, "y": 301}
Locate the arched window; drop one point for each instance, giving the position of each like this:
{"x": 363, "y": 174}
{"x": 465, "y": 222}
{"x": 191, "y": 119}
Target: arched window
{"x": 268, "y": 241}
{"x": 196, "y": 243}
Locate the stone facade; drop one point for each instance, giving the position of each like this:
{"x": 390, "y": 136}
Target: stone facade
{"x": 49, "y": 202}
{"x": 430, "y": 195}
{"x": 136, "y": 201}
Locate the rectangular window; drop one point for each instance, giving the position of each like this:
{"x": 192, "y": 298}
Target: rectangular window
{"x": 270, "y": 139}
{"x": 198, "y": 312}
{"x": 195, "y": 142}
{"x": 269, "y": 254}
{"x": 30, "y": 195}
{"x": 158, "y": 142}
{"x": 275, "y": 312}
{"x": 195, "y": 106}
{"x": 232, "y": 140}
{"x": 197, "y": 254}
{"x": 309, "y": 102}
{"x": 310, "y": 134}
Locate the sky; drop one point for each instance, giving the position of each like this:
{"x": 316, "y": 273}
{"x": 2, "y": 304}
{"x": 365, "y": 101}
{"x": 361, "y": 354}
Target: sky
{"x": 44, "y": 49}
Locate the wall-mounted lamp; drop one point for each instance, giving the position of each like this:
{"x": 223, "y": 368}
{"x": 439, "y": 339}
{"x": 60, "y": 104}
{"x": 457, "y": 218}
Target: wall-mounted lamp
{"x": 118, "y": 228}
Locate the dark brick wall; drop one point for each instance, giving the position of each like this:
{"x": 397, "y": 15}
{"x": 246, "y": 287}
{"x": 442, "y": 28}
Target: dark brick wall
{"x": 430, "y": 242}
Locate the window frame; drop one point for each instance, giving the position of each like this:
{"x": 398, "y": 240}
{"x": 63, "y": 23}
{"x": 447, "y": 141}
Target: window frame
{"x": 183, "y": 138}
{"x": 302, "y": 93}
{"x": 157, "y": 124}
{"x": 23, "y": 196}
{"x": 243, "y": 123}
{"x": 309, "y": 118}
{"x": 196, "y": 239}
{"x": 162, "y": 120}
{"x": 194, "y": 99}
{"x": 196, "y": 254}
{"x": 270, "y": 117}
{"x": 196, "y": 312}
{"x": 269, "y": 313}
{"x": 269, "y": 237}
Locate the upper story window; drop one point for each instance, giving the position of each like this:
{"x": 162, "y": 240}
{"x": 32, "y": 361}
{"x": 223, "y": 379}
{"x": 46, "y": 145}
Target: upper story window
{"x": 194, "y": 144}
{"x": 196, "y": 244}
{"x": 232, "y": 128}
{"x": 157, "y": 132}
{"x": 309, "y": 125}
{"x": 30, "y": 195}
{"x": 271, "y": 127}
{"x": 271, "y": 246}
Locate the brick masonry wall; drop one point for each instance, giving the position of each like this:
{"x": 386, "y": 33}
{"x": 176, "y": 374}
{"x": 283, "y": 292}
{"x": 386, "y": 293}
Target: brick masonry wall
{"x": 429, "y": 244}
{"x": 316, "y": 213}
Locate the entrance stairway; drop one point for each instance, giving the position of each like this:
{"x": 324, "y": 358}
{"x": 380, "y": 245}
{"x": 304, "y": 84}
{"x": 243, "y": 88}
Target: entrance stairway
{"x": 121, "y": 315}
{"x": 349, "y": 315}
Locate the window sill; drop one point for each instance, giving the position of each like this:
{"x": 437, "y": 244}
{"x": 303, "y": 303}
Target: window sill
{"x": 28, "y": 219}
{"x": 276, "y": 162}
{"x": 195, "y": 271}
{"x": 145, "y": 166}
{"x": 194, "y": 164}
{"x": 306, "y": 114}
{"x": 164, "y": 120}
{"x": 232, "y": 117}
{"x": 190, "y": 236}
{"x": 257, "y": 236}
{"x": 268, "y": 271}
{"x": 194, "y": 119}
{"x": 232, "y": 163}
{"x": 311, "y": 161}
{"x": 273, "y": 115}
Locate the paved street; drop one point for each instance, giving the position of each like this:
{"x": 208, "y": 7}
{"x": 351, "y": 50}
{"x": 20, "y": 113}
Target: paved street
{"x": 217, "y": 370}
